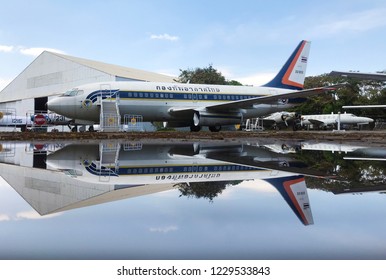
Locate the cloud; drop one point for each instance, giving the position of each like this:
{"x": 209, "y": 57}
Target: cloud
{"x": 33, "y": 215}
{"x": 4, "y": 217}
{"x": 27, "y": 51}
{"x": 164, "y": 229}
{"x": 257, "y": 185}
{"x": 257, "y": 79}
{"x": 38, "y": 51}
{"x": 4, "y": 82}
{"x": 26, "y": 215}
{"x": 6, "y": 49}
{"x": 164, "y": 36}
{"x": 352, "y": 23}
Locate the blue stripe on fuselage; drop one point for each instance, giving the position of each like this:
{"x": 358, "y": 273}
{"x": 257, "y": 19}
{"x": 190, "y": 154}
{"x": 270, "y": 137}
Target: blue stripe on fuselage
{"x": 148, "y": 170}
{"x": 168, "y": 96}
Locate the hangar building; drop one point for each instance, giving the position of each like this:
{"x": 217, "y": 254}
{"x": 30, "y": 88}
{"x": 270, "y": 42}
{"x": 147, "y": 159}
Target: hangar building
{"x": 52, "y": 73}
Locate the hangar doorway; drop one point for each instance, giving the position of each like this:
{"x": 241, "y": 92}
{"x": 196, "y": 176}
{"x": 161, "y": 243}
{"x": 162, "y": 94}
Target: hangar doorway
{"x": 40, "y": 108}
{"x": 40, "y": 104}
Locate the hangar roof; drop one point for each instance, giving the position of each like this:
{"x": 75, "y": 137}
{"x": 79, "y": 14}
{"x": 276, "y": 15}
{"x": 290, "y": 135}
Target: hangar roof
{"x": 119, "y": 71}
{"x": 51, "y": 73}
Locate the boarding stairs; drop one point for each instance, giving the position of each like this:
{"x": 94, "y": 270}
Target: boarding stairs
{"x": 108, "y": 160}
{"x": 110, "y": 117}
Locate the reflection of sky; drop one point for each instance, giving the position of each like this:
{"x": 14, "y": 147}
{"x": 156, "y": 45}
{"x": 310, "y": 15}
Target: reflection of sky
{"x": 250, "y": 221}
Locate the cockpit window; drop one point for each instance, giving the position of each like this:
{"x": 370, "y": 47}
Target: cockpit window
{"x": 73, "y": 92}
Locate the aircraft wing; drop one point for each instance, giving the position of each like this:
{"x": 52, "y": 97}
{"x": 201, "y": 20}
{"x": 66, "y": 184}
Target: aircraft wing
{"x": 248, "y": 103}
{"x": 294, "y": 167}
{"x": 363, "y": 106}
{"x": 363, "y": 76}
{"x": 269, "y": 99}
{"x": 315, "y": 122}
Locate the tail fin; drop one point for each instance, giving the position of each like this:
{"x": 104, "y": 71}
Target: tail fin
{"x": 294, "y": 191}
{"x": 293, "y": 73}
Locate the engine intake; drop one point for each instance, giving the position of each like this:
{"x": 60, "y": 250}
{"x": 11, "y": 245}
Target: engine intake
{"x": 215, "y": 119}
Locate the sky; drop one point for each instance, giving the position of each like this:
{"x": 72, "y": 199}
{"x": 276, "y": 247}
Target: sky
{"x": 247, "y": 40}
{"x": 249, "y": 218}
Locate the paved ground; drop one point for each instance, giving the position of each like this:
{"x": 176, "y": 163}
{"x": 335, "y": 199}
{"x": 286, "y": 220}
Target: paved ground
{"x": 378, "y": 137}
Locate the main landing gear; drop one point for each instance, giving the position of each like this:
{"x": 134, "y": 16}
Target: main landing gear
{"x": 212, "y": 128}
{"x": 215, "y": 128}
{"x": 195, "y": 128}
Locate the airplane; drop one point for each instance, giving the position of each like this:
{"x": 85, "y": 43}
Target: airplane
{"x": 351, "y": 151}
{"x": 364, "y": 76}
{"x": 190, "y": 105}
{"x": 275, "y": 120}
{"x": 330, "y": 120}
{"x": 363, "y": 106}
{"x": 101, "y": 171}
{"x": 360, "y": 75}
{"x": 8, "y": 119}
{"x": 322, "y": 121}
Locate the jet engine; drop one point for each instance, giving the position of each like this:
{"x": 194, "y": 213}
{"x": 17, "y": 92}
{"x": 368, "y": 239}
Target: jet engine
{"x": 215, "y": 120}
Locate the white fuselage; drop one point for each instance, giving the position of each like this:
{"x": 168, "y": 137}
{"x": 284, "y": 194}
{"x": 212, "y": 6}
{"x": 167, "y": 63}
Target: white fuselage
{"x": 11, "y": 120}
{"x": 154, "y": 164}
{"x": 157, "y": 101}
{"x": 331, "y": 119}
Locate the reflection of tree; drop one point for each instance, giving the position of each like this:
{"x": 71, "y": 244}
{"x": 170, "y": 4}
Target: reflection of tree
{"x": 349, "y": 174}
{"x": 208, "y": 190}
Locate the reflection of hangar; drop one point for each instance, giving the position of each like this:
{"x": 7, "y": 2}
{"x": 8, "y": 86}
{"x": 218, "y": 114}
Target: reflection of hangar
{"x": 52, "y": 73}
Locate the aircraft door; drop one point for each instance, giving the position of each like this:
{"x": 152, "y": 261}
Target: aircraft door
{"x": 105, "y": 91}
{"x": 194, "y": 97}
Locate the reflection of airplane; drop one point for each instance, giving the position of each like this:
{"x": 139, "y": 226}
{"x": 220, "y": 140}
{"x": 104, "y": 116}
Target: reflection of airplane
{"x": 331, "y": 120}
{"x": 357, "y": 151}
{"x": 183, "y": 105}
{"x": 351, "y": 150}
{"x": 96, "y": 172}
{"x": 359, "y": 75}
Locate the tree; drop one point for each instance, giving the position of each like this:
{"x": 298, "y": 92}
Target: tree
{"x": 207, "y": 75}
{"x": 208, "y": 190}
{"x": 356, "y": 92}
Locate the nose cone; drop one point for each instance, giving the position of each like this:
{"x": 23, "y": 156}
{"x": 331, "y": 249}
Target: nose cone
{"x": 55, "y": 105}
{"x": 366, "y": 120}
{"x": 62, "y": 105}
